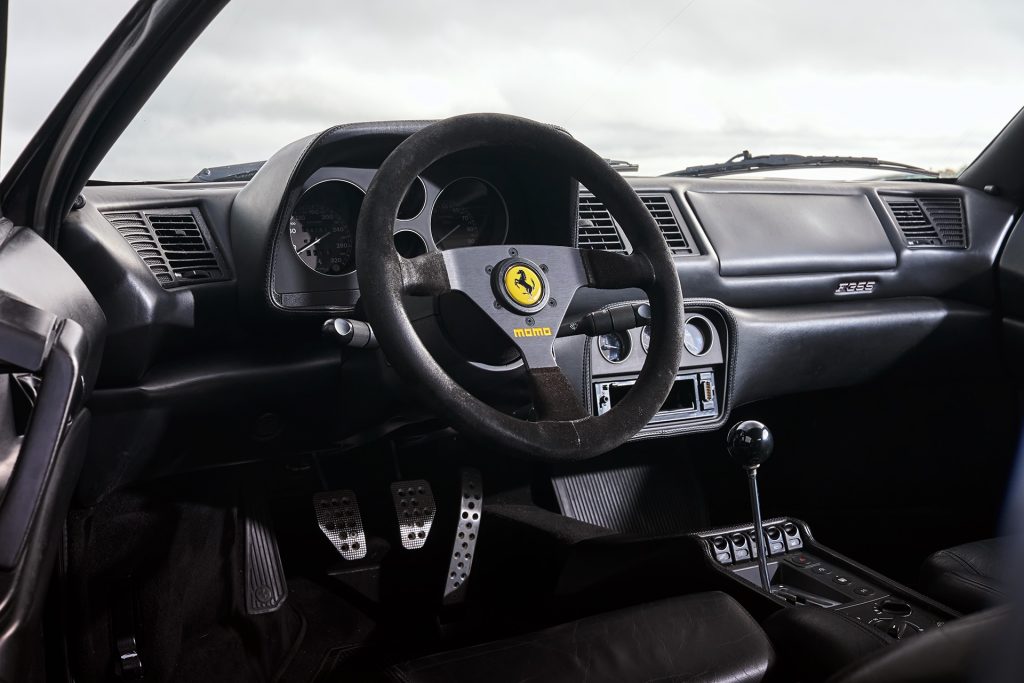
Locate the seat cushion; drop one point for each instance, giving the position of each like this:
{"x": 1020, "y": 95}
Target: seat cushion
{"x": 700, "y": 637}
{"x": 965, "y": 577}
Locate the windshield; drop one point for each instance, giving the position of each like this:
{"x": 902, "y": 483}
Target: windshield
{"x": 663, "y": 85}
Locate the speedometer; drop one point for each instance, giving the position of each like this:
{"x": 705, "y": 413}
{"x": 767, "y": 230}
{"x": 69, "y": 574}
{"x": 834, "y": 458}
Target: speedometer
{"x": 322, "y": 226}
{"x": 468, "y": 213}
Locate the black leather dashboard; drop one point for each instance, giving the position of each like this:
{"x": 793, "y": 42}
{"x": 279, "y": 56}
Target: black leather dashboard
{"x": 817, "y": 279}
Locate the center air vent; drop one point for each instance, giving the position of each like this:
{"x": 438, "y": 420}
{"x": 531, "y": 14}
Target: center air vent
{"x": 174, "y": 243}
{"x": 595, "y": 227}
{"x": 598, "y": 230}
{"x": 930, "y": 220}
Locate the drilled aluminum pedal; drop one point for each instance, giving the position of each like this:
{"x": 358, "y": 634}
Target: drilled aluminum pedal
{"x": 464, "y": 550}
{"x": 415, "y": 509}
{"x": 337, "y": 513}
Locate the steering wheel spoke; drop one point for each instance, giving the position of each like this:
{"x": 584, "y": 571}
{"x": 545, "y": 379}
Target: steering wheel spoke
{"x": 553, "y": 395}
{"x": 608, "y": 270}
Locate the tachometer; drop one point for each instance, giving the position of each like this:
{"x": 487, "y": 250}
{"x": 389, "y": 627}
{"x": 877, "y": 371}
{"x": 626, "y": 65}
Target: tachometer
{"x": 468, "y": 213}
{"x": 322, "y": 226}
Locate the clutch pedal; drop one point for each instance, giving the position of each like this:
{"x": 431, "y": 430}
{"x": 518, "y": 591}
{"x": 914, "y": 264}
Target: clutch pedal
{"x": 337, "y": 514}
{"x": 464, "y": 550}
{"x": 415, "y": 510}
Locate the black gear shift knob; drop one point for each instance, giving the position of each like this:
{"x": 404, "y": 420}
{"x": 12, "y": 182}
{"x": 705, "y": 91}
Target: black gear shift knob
{"x": 750, "y": 443}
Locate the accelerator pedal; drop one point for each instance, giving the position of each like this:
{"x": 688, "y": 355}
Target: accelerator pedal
{"x": 337, "y": 514}
{"x": 464, "y": 549}
{"x": 265, "y": 584}
{"x": 415, "y": 510}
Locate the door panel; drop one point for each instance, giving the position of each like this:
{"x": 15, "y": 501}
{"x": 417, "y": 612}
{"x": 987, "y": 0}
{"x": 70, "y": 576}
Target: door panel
{"x": 51, "y": 338}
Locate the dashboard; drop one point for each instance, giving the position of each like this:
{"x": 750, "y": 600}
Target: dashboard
{"x": 789, "y": 286}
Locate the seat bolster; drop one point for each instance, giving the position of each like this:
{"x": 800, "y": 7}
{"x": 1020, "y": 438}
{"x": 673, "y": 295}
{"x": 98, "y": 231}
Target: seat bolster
{"x": 812, "y": 644}
{"x": 700, "y": 637}
{"x": 964, "y": 577}
{"x": 951, "y": 654}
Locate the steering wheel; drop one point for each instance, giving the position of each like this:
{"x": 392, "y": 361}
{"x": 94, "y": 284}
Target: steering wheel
{"x": 525, "y": 289}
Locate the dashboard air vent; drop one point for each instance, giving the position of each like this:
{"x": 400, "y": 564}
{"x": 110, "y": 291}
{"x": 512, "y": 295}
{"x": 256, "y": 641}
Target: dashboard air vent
{"x": 930, "y": 221}
{"x": 595, "y": 227}
{"x": 598, "y": 230}
{"x": 174, "y": 243}
{"x": 677, "y": 240}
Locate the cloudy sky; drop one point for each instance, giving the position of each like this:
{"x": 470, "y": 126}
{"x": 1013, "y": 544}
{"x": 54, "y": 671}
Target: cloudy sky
{"x": 662, "y": 83}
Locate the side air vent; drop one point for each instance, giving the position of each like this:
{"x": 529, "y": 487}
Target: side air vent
{"x": 598, "y": 230}
{"x": 174, "y": 243}
{"x": 930, "y": 221}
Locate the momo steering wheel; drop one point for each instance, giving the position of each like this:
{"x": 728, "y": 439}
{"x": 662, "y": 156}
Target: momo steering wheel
{"x": 525, "y": 289}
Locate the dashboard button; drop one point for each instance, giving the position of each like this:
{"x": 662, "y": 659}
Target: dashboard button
{"x": 841, "y": 580}
{"x": 801, "y": 560}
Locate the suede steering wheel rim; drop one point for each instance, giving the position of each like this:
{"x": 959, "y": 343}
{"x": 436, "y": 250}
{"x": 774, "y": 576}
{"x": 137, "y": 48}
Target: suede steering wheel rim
{"x": 514, "y": 285}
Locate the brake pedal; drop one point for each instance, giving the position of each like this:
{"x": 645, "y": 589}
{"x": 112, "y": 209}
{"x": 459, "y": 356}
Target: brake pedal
{"x": 415, "y": 510}
{"x": 464, "y": 550}
{"x": 337, "y": 513}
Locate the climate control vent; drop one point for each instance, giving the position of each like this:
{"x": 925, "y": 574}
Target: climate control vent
{"x": 595, "y": 227}
{"x": 598, "y": 230}
{"x": 930, "y": 220}
{"x": 174, "y": 243}
{"x": 678, "y": 241}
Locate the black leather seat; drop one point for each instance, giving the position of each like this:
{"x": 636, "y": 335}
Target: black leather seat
{"x": 701, "y": 637}
{"x": 966, "y": 650}
{"x": 965, "y": 577}
{"x": 815, "y": 645}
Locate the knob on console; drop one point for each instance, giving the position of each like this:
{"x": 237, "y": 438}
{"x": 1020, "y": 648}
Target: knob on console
{"x": 749, "y": 443}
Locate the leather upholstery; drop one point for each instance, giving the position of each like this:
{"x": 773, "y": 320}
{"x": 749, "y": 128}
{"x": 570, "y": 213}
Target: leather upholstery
{"x": 959, "y": 651}
{"x": 700, "y": 637}
{"x": 965, "y": 577}
{"x": 812, "y": 644}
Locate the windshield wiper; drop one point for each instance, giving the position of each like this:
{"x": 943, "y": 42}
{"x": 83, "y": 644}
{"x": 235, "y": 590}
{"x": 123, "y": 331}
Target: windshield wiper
{"x": 623, "y": 166}
{"x": 229, "y": 173}
{"x": 744, "y": 162}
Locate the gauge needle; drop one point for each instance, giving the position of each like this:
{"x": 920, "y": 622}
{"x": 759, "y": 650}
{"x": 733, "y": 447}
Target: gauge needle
{"x": 312, "y": 244}
{"x": 450, "y": 233}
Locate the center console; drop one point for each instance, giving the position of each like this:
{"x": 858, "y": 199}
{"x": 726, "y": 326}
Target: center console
{"x": 806, "y": 574}
{"x": 834, "y": 609}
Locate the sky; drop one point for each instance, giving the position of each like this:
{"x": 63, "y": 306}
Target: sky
{"x": 665, "y": 84}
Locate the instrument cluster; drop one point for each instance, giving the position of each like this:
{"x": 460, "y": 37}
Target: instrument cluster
{"x": 461, "y": 212}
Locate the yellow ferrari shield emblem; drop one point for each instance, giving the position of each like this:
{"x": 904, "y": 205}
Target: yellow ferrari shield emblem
{"x": 523, "y": 285}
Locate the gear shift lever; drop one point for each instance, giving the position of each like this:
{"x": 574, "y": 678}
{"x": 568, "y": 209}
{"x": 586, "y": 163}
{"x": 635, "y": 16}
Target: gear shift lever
{"x": 750, "y": 444}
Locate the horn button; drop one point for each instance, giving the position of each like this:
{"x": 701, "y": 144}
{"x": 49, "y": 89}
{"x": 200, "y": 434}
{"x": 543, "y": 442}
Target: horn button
{"x": 521, "y": 285}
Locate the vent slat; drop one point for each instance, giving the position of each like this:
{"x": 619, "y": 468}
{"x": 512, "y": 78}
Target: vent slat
{"x": 930, "y": 221}
{"x": 173, "y": 245}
